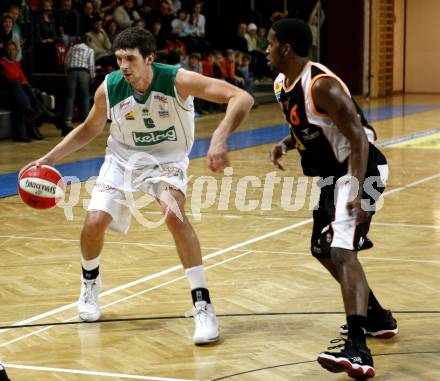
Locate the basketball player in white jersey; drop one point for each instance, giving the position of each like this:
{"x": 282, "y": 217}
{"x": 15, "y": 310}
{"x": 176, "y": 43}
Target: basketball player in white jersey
{"x": 150, "y": 106}
{"x": 335, "y": 143}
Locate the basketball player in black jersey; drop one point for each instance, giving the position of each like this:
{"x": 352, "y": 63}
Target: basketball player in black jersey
{"x": 335, "y": 143}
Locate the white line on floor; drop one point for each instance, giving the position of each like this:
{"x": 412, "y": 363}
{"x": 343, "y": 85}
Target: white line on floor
{"x": 216, "y": 253}
{"x": 38, "y": 331}
{"x": 93, "y": 373}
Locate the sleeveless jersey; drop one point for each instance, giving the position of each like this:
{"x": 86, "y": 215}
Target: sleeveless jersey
{"x": 323, "y": 148}
{"x": 160, "y": 124}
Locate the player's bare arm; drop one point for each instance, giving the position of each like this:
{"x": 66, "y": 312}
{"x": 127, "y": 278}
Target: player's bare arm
{"x": 213, "y": 90}
{"x": 81, "y": 135}
{"x": 330, "y": 97}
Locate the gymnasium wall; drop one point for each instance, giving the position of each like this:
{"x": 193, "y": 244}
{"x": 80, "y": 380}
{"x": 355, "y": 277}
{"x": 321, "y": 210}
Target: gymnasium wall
{"x": 422, "y": 61}
{"x": 399, "y": 45}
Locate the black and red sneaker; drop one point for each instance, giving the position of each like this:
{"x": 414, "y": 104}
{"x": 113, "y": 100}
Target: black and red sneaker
{"x": 382, "y": 326}
{"x": 354, "y": 359}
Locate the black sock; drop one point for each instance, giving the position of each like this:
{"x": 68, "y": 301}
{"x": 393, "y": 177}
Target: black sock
{"x": 90, "y": 274}
{"x": 356, "y": 328}
{"x": 199, "y": 294}
{"x": 374, "y": 307}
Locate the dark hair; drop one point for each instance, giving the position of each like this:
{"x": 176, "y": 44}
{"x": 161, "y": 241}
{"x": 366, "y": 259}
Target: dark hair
{"x": 6, "y": 16}
{"x": 135, "y": 37}
{"x": 294, "y": 32}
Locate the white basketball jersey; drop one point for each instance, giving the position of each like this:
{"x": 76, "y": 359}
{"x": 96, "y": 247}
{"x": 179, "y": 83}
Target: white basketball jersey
{"x": 160, "y": 125}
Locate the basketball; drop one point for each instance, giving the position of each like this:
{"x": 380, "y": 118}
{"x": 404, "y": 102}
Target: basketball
{"x": 41, "y": 187}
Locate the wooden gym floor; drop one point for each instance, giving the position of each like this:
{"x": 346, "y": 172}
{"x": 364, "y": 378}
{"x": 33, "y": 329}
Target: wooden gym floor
{"x": 277, "y": 307}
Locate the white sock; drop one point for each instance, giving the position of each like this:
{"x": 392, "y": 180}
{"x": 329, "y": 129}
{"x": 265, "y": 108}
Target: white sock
{"x": 196, "y": 277}
{"x": 91, "y": 264}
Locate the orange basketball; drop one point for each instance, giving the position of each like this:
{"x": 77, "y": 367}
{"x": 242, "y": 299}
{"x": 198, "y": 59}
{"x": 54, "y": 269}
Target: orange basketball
{"x": 41, "y": 187}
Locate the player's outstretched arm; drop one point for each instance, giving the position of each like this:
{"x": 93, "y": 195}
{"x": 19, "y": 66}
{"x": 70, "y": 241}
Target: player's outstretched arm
{"x": 239, "y": 103}
{"x": 81, "y": 135}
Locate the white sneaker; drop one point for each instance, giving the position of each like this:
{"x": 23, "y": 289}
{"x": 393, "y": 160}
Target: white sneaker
{"x": 88, "y": 303}
{"x": 206, "y": 324}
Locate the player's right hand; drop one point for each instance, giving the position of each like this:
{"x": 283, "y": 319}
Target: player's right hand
{"x": 37, "y": 163}
{"x": 276, "y": 153}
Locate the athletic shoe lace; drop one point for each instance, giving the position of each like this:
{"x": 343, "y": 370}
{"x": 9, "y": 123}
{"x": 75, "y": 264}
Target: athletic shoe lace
{"x": 89, "y": 295}
{"x": 338, "y": 340}
{"x": 199, "y": 312}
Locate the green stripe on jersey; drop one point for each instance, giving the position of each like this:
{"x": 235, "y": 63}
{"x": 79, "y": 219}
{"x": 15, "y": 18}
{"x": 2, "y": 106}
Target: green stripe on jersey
{"x": 163, "y": 82}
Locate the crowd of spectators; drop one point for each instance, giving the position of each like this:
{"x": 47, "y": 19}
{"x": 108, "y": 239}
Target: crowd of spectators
{"x": 58, "y": 29}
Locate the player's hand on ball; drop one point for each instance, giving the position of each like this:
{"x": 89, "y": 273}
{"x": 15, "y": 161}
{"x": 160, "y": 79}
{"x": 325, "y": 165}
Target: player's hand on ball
{"x": 36, "y": 163}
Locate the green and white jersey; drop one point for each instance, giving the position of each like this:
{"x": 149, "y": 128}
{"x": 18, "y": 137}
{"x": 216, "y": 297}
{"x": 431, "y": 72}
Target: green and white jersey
{"x": 160, "y": 124}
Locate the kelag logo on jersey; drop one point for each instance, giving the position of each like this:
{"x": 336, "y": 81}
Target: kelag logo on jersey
{"x": 154, "y": 137}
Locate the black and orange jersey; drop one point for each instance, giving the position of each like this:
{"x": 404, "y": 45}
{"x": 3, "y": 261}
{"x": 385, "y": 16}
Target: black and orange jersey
{"x": 323, "y": 148}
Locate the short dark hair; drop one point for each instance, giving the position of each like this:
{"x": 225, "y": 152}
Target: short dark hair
{"x": 294, "y": 32}
{"x": 135, "y": 37}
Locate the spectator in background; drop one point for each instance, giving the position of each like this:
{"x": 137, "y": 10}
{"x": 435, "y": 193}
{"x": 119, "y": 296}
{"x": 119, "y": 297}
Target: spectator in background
{"x": 15, "y": 13}
{"x": 229, "y": 69}
{"x": 175, "y": 6}
{"x": 251, "y": 37}
{"x": 17, "y": 115}
{"x": 175, "y": 57}
{"x": 195, "y": 39}
{"x": 98, "y": 40}
{"x": 125, "y": 15}
{"x": 262, "y": 39}
{"x": 244, "y": 71}
{"x": 108, "y": 7}
{"x": 194, "y": 63}
{"x": 7, "y": 34}
{"x": 45, "y": 34}
{"x": 179, "y": 26}
{"x": 22, "y": 91}
{"x": 259, "y": 61}
{"x": 164, "y": 15}
{"x": 196, "y": 21}
{"x": 112, "y": 30}
{"x": 161, "y": 40}
{"x": 239, "y": 41}
{"x": 80, "y": 68}
{"x": 316, "y": 17}
{"x": 218, "y": 63}
{"x": 139, "y": 23}
{"x": 208, "y": 64}
{"x": 86, "y": 17}
{"x": 67, "y": 22}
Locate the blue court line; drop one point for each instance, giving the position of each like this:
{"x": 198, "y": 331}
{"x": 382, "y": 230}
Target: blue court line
{"x": 85, "y": 169}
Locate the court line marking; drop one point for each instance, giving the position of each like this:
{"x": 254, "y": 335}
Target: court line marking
{"x": 379, "y": 258}
{"x": 216, "y": 253}
{"x": 172, "y": 269}
{"x": 233, "y": 247}
{"x": 410, "y": 185}
{"x": 167, "y": 271}
{"x": 391, "y": 224}
{"x": 94, "y": 373}
{"x": 118, "y": 300}
{"x": 404, "y": 225}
